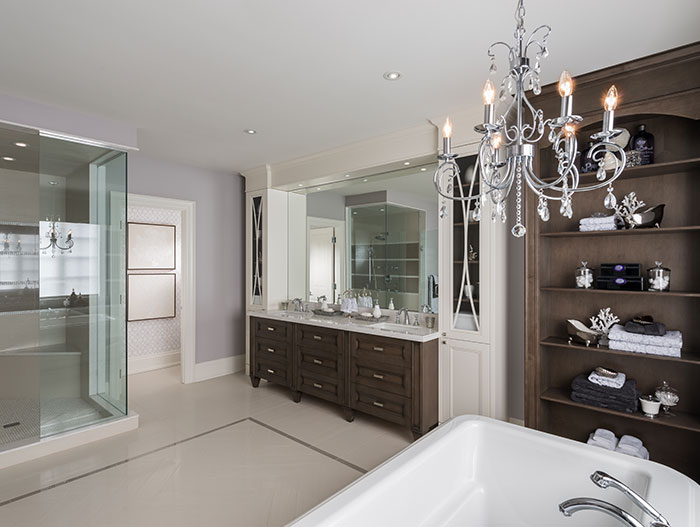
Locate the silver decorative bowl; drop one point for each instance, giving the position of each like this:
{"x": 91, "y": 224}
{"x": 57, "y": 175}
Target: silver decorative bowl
{"x": 580, "y": 334}
{"x": 649, "y": 218}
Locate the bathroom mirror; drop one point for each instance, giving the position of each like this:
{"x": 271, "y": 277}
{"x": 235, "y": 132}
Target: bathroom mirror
{"x": 375, "y": 235}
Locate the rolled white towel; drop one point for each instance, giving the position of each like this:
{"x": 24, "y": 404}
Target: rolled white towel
{"x": 672, "y": 339}
{"x": 608, "y": 442}
{"x": 636, "y": 347}
{"x": 631, "y": 442}
{"x": 642, "y": 453}
{"x": 611, "y": 382}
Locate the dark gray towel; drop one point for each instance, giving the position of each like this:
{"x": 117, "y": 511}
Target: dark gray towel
{"x": 627, "y": 407}
{"x": 623, "y": 399}
{"x": 653, "y": 328}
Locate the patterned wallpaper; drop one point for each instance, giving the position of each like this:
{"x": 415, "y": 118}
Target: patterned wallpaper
{"x": 154, "y": 337}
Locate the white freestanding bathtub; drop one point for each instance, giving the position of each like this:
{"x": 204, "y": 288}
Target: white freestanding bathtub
{"x": 478, "y": 472}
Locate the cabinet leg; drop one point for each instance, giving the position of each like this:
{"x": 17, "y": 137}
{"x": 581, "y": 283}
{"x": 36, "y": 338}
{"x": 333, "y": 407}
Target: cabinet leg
{"x": 416, "y": 434}
{"x": 255, "y": 381}
{"x": 296, "y": 396}
{"x": 349, "y": 414}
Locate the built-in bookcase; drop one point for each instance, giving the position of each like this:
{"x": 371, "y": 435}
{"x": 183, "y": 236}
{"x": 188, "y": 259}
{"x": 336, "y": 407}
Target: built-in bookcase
{"x": 661, "y": 92}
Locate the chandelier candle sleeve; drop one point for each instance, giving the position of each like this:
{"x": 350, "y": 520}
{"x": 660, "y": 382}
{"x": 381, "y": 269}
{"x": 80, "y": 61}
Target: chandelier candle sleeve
{"x": 609, "y": 104}
{"x": 566, "y": 90}
{"x": 489, "y": 95}
{"x": 447, "y": 137}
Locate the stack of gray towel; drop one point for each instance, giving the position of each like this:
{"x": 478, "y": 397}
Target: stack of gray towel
{"x": 595, "y": 223}
{"x": 669, "y": 344}
{"x": 630, "y": 445}
{"x": 622, "y": 399}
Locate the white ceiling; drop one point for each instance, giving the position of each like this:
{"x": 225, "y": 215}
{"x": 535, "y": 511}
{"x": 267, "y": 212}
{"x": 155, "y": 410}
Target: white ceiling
{"x": 191, "y": 75}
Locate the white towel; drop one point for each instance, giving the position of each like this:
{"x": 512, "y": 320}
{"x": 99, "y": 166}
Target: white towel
{"x": 630, "y": 442}
{"x": 348, "y": 305}
{"x": 672, "y": 339}
{"x": 635, "y": 347}
{"x": 611, "y": 382}
{"x": 642, "y": 453}
{"x": 603, "y": 438}
{"x": 598, "y": 220}
{"x": 601, "y": 227}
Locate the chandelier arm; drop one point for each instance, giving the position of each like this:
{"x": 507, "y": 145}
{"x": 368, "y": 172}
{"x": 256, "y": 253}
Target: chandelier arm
{"x": 532, "y": 39}
{"x": 492, "y": 55}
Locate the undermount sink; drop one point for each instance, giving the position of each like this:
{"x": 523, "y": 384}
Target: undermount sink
{"x": 400, "y": 328}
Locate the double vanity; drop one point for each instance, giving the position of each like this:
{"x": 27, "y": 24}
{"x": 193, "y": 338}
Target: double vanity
{"x": 389, "y": 371}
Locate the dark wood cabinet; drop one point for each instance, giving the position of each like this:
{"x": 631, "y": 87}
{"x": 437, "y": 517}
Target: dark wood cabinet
{"x": 393, "y": 379}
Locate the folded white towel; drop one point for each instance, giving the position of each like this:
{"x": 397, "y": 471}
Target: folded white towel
{"x": 611, "y": 382}
{"x": 636, "y": 347}
{"x": 604, "y": 433}
{"x": 642, "y": 453}
{"x": 672, "y": 339}
{"x": 608, "y": 443}
{"x": 630, "y": 442}
{"x": 601, "y": 227}
{"x": 597, "y": 220}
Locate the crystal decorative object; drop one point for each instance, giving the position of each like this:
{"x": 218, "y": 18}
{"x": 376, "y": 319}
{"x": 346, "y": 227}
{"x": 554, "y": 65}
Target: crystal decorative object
{"x": 584, "y": 276}
{"x": 659, "y": 278}
{"x": 476, "y": 213}
{"x": 518, "y": 230}
{"x": 667, "y": 395}
{"x": 600, "y": 174}
{"x": 610, "y": 201}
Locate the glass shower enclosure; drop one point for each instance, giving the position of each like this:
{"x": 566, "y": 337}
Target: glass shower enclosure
{"x": 62, "y": 285}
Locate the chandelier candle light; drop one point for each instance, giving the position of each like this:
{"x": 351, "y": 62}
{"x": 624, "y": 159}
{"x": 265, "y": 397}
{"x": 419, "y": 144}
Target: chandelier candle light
{"x": 507, "y": 148}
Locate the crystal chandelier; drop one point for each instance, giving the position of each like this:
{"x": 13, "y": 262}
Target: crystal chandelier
{"x": 54, "y": 235}
{"x": 507, "y": 148}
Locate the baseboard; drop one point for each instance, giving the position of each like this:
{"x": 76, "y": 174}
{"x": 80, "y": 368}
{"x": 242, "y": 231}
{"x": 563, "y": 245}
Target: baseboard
{"x": 153, "y": 362}
{"x": 219, "y": 367}
{"x": 516, "y": 421}
{"x": 67, "y": 440}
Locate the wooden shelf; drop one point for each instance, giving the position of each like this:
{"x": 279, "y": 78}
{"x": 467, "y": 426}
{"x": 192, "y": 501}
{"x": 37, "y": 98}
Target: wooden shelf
{"x": 655, "y": 169}
{"x": 683, "y": 294}
{"x": 563, "y": 343}
{"x": 623, "y": 232}
{"x": 682, "y": 420}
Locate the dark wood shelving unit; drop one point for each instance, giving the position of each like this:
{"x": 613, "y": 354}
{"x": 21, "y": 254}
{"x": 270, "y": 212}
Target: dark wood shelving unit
{"x": 556, "y": 248}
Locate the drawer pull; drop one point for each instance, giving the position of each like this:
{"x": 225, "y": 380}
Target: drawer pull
{"x": 317, "y": 385}
{"x": 270, "y": 329}
{"x": 317, "y": 337}
{"x": 377, "y": 403}
{"x": 316, "y": 361}
{"x": 378, "y": 348}
{"x": 270, "y": 371}
{"x": 378, "y": 376}
{"x": 271, "y": 350}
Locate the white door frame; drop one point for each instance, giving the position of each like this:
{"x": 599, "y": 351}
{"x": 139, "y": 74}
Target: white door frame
{"x": 313, "y": 222}
{"x": 187, "y": 273}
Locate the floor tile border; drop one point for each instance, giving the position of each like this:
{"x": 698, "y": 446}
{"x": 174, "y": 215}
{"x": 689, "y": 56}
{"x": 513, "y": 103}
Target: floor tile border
{"x": 179, "y": 442}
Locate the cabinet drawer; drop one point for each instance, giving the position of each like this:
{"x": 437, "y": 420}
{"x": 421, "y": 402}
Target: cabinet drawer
{"x": 320, "y": 361}
{"x": 271, "y": 349}
{"x": 381, "y": 376}
{"x": 273, "y": 371}
{"x": 320, "y": 386}
{"x": 371, "y": 349}
{"x": 320, "y": 338}
{"x": 389, "y": 406}
{"x": 271, "y": 329}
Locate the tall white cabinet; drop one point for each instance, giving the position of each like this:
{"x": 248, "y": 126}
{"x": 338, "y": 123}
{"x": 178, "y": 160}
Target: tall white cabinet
{"x": 472, "y": 308}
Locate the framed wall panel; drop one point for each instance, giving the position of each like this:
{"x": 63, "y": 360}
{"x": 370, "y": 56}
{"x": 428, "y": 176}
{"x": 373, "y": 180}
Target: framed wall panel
{"x": 151, "y": 246}
{"x": 151, "y": 296}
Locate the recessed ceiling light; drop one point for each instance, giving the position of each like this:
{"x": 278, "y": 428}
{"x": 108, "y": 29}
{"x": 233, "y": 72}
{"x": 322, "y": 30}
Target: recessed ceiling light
{"x": 300, "y": 185}
{"x": 318, "y": 188}
{"x": 406, "y": 163}
{"x": 347, "y": 175}
{"x": 21, "y": 145}
{"x": 423, "y": 169}
{"x": 7, "y": 158}
{"x": 381, "y": 210}
{"x": 365, "y": 180}
{"x": 392, "y": 75}
{"x": 354, "y": 212}
{"x": 250, "y": 131}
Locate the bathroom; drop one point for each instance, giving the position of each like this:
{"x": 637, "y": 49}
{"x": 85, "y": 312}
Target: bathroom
{"x": 260, "y": 271}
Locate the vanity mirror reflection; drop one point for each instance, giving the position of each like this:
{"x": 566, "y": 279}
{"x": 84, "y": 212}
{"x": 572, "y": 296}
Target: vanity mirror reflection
{"x": 375, "y": 235}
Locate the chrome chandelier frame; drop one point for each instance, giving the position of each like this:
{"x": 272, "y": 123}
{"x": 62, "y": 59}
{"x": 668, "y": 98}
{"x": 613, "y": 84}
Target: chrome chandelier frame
{"x": 507, "y": 148}
{"x": 54, "y": 235}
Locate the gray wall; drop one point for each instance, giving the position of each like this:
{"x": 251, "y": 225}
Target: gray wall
{"x": 220, "y": 244}
{"x": 326, "y": 205}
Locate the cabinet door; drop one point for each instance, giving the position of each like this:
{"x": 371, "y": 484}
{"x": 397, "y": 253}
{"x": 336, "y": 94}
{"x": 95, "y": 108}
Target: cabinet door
{"x": 464, "y": 379}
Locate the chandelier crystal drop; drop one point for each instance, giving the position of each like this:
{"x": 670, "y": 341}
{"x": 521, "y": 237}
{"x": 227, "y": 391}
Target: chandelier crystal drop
{"x": 507, "y": 148}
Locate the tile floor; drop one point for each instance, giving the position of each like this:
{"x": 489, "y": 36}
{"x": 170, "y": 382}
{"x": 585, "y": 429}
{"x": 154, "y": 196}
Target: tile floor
{"x": 213, "y": 453}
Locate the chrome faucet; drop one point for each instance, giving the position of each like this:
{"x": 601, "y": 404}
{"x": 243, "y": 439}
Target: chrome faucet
{"x": 407, "y": 319}
{"x": 604, "y": 481}
{"x": 571, "y": 506}
{"x": 297, "y": 304}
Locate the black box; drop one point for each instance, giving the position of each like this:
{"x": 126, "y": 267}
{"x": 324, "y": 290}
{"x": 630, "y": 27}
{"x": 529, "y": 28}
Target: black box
{"x": 632, "y": 283}
{"x": 625, "y": 270}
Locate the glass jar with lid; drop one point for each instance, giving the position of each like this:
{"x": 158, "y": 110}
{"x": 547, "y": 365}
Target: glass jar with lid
{"x": 659, "y": 278}
{"x": 667, "y": 396}
{"x": 584, "y": 276}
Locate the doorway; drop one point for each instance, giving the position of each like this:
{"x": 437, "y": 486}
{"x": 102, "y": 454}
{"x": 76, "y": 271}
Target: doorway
{"x": 326, "y": 255}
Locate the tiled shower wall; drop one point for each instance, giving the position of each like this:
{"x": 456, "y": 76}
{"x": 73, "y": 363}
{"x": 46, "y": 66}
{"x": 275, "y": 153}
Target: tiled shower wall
{"x": 147, "y": 338}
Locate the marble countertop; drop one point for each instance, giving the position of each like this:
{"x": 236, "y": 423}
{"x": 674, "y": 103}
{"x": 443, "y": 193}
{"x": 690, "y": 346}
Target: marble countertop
{"x": 343, "y": 323}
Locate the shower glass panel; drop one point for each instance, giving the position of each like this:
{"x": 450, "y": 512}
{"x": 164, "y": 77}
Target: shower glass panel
{"x": 67, "y": 206}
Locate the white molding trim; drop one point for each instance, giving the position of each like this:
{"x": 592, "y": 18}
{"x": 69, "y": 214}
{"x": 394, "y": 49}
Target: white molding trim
{"x": 67, "y": 440}
{"x": 153, "y": 362}
{"x": 188, "y": 275}
{"x": 219, "y": 367}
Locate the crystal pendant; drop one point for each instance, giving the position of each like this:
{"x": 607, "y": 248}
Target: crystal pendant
{"x": 492, "y": 68}
{"x": 536, "y": 88}
{"x": 518, "y": 230}
{"x": 502, "y": 94}
{"x": 449, "y": 188}
{"x": 493, "y": 216}
{"x": 543, "y": 209}
{"x": 552, "y": 135}
{"x": 443, "y": 211}
{"x": 600, "y": 175}
{"x": 476, "y": 213}
{"x": 566, "y": 209}
{"x": 537, "y": 66}
{"x": 545, "y": 52}
{"x": 610, "y": 201}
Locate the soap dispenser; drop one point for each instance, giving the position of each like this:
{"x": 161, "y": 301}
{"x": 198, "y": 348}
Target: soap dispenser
{"x": 377, "y": 312}
{"x": 391, "y": 304}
